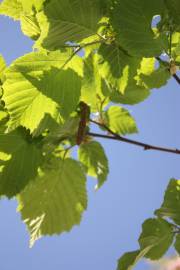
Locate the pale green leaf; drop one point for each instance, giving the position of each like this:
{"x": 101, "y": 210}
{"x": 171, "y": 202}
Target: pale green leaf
{"x": 54, "y": 202}
{"x": 29, "y": 5}
{"x": 24, "y": 158}
{"x": 132, "y": 22}
{"x": 120, "y": 121}
{"x": 30, "y": 26}
{"x": 171, "y": 205}
{"x": 175, "y": 46}
{"x": 61, "y": 86}
{"x": 93, "y": 157}
{"x": 69, "y": 21}
{"x": 147, "y": 66}
{"x": 93, "y": 86}
{"x": 2, "y": 68}
{"x": 11, "y": 8}
{"x": 158, "y": 234}
{"x": 32, "y": 89}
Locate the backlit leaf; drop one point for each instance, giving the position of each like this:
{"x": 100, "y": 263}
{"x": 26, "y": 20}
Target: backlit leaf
{"x": 34, "y": 87}
{"x": 171, "y": 205}
{"x": 54, "y": 202}
{"x": 120, "y": 121}
{"x": 11, "y": 8}
{"x": 92, "y": 155}
{"x": 69, "y": 21}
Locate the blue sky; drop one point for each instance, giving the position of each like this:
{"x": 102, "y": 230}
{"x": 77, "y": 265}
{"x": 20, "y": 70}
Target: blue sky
{"x": 134, "y": 189}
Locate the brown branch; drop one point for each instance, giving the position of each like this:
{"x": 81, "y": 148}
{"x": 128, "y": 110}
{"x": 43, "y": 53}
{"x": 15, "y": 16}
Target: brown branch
{"x": 175, "y": 76}
{"x": 117, "y": 137}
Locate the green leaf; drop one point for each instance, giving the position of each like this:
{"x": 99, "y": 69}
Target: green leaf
{"x": 93, "y": 157}
{"x": 65, "y": 131}
{"x": 54, "y": 202}
{"x": 72, "y": 20}
{"x": 48, "y": 124}
{"x": 2, "y": 68}
{"x": 117, "y": 67}
{"x": 24, "y": 158}
{"x": 29, "y": 5}
{"x": 177, "y": 244}
{"x": 11, "y": 8}
{"x": 174, "y": 10}
{"x": 120, "y": 121}
{"x": 150, "y": 76}
{"x": 157, "y": 79}
{"x": 61, "y": 86}
{"x": 94, "y": 41}
{"x": 158, "y": 234}
{"x": 130, "y": 259}
{"x": 93, "y": 86}
{"x": 133, "y": 95}
{"x": 34, "y": 87}
{"x": 132, "y": 22}
{"x": 171, "y": 205}
{"x": 30, "y": 26}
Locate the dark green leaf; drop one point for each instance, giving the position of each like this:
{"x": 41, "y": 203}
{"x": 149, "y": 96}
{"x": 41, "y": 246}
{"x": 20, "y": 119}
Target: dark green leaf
{"x": 129, "y": 259}
{"x": 132, "y": 23}
{"x": 158, "y": 234}
{"x": 24, "y": 156}
{"x": 177, "y": 244}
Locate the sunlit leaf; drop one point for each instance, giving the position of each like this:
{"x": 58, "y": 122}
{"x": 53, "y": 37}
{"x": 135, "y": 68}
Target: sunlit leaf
{"x": 171, "y": 205}
{"x": 35, "y": 86}
{"x": 54, "y": 202}
{"x": 120, "y": 121}
{"x": 11, "y": 8}
{"x": 92, "y": 155}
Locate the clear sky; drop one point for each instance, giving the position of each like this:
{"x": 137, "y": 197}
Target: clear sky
{"x": 134, "y": 189}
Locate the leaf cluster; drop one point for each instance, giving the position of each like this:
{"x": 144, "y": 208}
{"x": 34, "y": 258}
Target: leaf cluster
{"x": 90, "y": 58}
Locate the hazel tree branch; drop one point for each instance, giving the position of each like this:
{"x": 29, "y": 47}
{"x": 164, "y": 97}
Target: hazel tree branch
{"x": 117, "y": 137}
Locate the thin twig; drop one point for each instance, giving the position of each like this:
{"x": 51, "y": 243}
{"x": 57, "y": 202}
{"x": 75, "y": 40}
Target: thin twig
{"x": 117, "y": 137}
{"x": 175, "y": 76}
{"x": 78, "y": 48}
